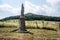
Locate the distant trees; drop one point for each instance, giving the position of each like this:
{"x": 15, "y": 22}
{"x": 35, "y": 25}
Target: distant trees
{"x": 10, "y": 18}
{"x": 31, "y": 16}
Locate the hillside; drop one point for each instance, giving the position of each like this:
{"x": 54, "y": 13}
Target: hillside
{"x": 39, "y": 29}
{"x": 31, "y": 16}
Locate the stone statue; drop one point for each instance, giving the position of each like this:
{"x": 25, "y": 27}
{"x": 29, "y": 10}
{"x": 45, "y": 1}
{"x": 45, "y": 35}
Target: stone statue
{"x": 22, "y": 27}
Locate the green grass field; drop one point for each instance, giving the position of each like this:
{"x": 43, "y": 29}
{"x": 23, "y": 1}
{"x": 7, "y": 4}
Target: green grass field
{"x": 39, "y": 30}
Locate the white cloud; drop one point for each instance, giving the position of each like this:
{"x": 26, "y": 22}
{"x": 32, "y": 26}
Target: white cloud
{"x": 16, "y": 11}
{"x": 9, "y": 8}
{"x": 48, "y": 10}
{"x": 53, "y": 2}
{"x": 29, "y": 7}
{"x": 1, "y": 17}
{"x": 45, "y": 9}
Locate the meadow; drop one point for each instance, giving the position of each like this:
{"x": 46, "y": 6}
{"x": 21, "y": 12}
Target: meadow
{"x": 33, "y": 24}
{"x": 39, "y": 30}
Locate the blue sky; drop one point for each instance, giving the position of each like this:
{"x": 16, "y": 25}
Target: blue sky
{"x": 41, "y": 7}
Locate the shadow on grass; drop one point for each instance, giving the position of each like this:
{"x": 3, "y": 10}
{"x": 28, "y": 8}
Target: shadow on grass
{"x": 22, "y": 32}
{"x": 46, "y": 28}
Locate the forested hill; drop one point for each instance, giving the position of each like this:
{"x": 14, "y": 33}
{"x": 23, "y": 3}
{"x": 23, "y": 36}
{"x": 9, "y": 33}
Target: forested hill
{"x": 30, "y": 16}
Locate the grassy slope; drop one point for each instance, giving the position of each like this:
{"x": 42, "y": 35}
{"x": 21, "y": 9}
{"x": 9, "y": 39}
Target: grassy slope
{"x": 37, "y": 33}
{"x": 31, "y": 24}
{"x": 5, "y": 33}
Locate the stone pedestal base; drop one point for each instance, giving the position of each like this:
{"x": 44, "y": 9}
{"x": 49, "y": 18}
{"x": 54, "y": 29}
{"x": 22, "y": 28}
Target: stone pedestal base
{"x": 22, "y": 31}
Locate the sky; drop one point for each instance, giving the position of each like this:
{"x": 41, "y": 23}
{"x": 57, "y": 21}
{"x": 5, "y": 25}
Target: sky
{"x": 40, "y": 7}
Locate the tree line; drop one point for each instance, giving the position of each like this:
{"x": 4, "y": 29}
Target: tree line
{"x": 31, "y": 16}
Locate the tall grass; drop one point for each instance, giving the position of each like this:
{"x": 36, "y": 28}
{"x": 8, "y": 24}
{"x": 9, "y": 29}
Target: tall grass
{"x": 42, "y": 25}
{"x": 36, "y": 24}
{"x": 7, "y": 26}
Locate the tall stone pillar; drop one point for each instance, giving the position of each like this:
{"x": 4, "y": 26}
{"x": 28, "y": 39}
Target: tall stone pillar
{"x": 22, "y": 21}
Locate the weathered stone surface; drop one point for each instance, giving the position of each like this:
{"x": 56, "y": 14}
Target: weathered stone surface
{"x": 22, "y": 21}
